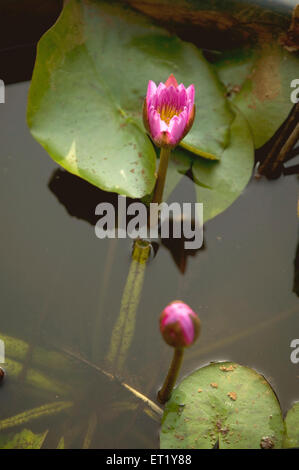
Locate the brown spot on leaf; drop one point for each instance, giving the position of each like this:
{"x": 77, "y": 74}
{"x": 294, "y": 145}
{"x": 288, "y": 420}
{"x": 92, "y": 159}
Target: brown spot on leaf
{"x": 223, "y": 430}
{"x": 227, "y": 369}
{"x": 232, "y": 395}
{"x": 214, "y": 385}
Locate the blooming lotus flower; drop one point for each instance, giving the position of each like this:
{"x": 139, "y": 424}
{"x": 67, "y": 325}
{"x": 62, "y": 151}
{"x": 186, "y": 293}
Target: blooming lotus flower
{"x": 179, "y": 325}
{"x": 168, "y": 111}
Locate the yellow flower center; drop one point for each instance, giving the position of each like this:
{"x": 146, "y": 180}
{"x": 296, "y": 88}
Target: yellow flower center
{"x": 167, "y": 113}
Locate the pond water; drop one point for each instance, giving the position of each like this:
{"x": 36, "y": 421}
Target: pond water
{"x": 61, "y": 290}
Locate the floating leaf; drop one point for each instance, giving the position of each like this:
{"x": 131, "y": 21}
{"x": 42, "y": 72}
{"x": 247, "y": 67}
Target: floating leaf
{"x": 234, "y": 67}
{"x": 23, "y": 440}
{"x": 292, "y": 427}
{"x": 219, "y": 184}
{"x": 260, "y": 82}
{"x": 222, "y": 403}
{"x": 87, "y": 91}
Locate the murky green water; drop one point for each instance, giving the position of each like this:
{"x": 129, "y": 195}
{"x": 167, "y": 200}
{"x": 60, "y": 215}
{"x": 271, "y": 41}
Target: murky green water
{"x": 61, "y": 291}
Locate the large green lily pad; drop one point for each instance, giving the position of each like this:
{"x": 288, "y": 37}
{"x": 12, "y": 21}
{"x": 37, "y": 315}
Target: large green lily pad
{"x": 292, "y": 427}
{"x": 218, "y": 184}
{"x": 88, "y": 87}
{"x": 259, "y": 80}
{"x": 223, "y": 403}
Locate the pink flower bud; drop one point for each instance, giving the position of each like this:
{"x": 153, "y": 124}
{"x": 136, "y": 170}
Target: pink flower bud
{"x": 168, "y": 111}
{"x": 179, "y": 325}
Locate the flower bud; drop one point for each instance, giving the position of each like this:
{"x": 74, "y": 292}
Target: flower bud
{"x": 168, "y": 112}
{"x": 179, "y": 325}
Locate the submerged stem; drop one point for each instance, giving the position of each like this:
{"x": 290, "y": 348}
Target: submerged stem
{"x": 160, "y": 183}
{"x": 165, "y": 392}
{"x": 124, "y": 327}
{"x": 34, "y": 414}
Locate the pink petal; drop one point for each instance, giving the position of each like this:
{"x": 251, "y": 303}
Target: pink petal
{"x": 191, "y": 93}
{"x": 151, "y": 90}
{"x": 171, "y": 81}
{"x": 161, "y": 87}
{"x": 181, "y": 313}
{"x": 182, "y": 98}
{"x": 157, "y": 126}
{"x": 176, "y": 127}
{"x": 181, "y": 87}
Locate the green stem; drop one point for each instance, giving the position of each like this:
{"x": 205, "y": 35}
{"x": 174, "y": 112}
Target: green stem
{"x": 124, "y": 327}
{"x": 165, "y": 392}
{"x": 147, "y": 401}
{"x": 35, "y": 413}
{"x": 91, "y": 427}
{"x": 160, "y": 183}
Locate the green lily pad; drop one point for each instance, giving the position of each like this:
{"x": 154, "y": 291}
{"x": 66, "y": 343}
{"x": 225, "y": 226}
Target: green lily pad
{"x": 292, "y": 427}
{"x": 223, "y": 403}
{"x": 218, "y": 184}
{"x": 259, "y": 80}
{"x": 89, "y": 82}
{"x": 23, "y": 440}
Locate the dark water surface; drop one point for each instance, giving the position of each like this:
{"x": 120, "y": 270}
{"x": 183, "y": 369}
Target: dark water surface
{"x": 61, "y": 290}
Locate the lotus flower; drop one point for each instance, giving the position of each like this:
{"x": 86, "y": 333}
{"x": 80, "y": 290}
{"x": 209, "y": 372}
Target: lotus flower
{"x": 179, "y": 325}
{"x": 168, "y": 111}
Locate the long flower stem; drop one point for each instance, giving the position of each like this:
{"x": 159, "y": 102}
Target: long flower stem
{"x": 163, "y": 165}
{"x": 165, "y": 392}
{"x": 124, "y": 327}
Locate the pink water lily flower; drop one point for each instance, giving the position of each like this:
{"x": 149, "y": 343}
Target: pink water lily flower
{"x": 168, "y": 111}
{"x": 179, "y": 325}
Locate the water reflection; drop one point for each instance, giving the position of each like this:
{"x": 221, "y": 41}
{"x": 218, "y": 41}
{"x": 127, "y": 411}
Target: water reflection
{"x": 80, "y": 199}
